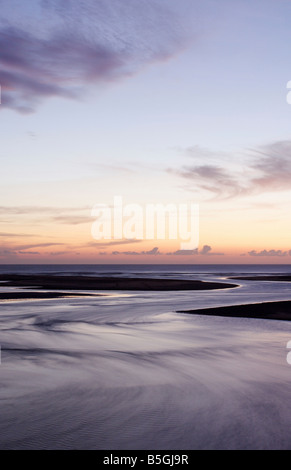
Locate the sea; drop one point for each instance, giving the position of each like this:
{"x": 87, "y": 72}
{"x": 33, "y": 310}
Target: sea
{"x": 126, "y": 370}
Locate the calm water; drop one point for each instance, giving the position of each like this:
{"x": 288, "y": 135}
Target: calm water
{"x": 125, "y": 371}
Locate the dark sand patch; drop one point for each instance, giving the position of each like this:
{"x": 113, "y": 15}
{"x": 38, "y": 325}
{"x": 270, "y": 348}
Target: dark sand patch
{"x": 280, "y": 310}
{"x": 41, "y": 295}
{"x": 107, "y": 283}
{"x": 267, "y": 277}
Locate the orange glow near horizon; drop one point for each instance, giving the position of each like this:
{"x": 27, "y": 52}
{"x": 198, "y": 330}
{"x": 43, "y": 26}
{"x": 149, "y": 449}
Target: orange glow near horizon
{"x": 88, "y": 251}
{"x": 224, "y": 238}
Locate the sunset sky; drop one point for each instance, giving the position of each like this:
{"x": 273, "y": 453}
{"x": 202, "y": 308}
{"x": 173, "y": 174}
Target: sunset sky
{"x": 153, "y": 101}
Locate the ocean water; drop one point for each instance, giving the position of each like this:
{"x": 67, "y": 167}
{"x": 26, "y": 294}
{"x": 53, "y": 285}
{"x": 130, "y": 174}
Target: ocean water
{"x": 126, "y": 371}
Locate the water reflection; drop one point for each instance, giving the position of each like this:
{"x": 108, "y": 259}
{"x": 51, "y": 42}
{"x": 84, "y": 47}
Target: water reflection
{"x": 126, "y": 371}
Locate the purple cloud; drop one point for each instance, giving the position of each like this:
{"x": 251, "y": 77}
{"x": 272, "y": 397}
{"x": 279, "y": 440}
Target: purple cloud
{"x": 154, "y": 251}
{"x": 184, "y": 252}
{"x": 206, "y": 251}
{"x": 105, "y": 244}
{"x": 25, "y": 249}
{"x": 81, "y": 44}
{"x": 15, "y": 235}
{"x": 268, "y": 253}
{"x": 36, "y": 245}
{"x": 263, "y": 169}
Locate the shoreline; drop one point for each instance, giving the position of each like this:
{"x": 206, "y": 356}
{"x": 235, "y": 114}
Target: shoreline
{"x": 52, "y": 282}
{"x": 277, "y": 310}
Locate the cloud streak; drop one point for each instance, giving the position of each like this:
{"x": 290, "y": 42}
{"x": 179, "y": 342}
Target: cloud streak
{"x": 56, "y": 215}
{"x": 205, "y": 251}
{"x": 263, "y": 169}
{"x": 269, "y": 253}
{"x": 23, "y": 210}
{"x": 104, "y": 244}
{"x": 153, "y": 252}
{"x": 82, "y": 44}
{"x": 15, "y": 235}
{"x": 26, "y": 249}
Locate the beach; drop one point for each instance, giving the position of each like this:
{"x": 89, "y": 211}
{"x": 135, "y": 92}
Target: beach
{"x": 6, "y": 296}
{"x": 267, "y": 310}
{"x": 279, "y": 278}
{"x": 125, "y": 369}
{"x": 107, "y": 283}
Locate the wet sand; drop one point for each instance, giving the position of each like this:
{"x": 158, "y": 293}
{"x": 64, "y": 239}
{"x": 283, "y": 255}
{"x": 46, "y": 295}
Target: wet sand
{"x": 107, "y": 283}
{"x": 120, "y": 371}
{"x": 281, "y": 278}
{"x": 41, "y": 295}
{"x": 267, "y": 310}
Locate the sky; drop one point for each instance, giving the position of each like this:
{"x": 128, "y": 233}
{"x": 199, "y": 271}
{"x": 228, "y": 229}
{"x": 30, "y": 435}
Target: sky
{"x": 149, "y": 103}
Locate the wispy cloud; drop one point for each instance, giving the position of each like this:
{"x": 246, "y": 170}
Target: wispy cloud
{"x": 273, "y": 163}
{"x": 23, "y": 210}
{"x": 205, "y": 251}
{"x": 213, "y": 179}
{"x": 35, "y": 245}
{"x": 71, "y": 219}
{"x": 15, "y": 235}
{"x": 105, "y": 244}
{"x": 184, "y": 252}
{"x": 26, "y": 249}
{"x": 196, "y": 152}
{"x": 47, "y": 214}
{"x": 153, "y": 252}
{"x": 81, "y": 44}
{"x": 259, "y": 170}
{"x": 10, "y": 252}
{"x": 62, "y": 253}
{"x": 269, "y": 253}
